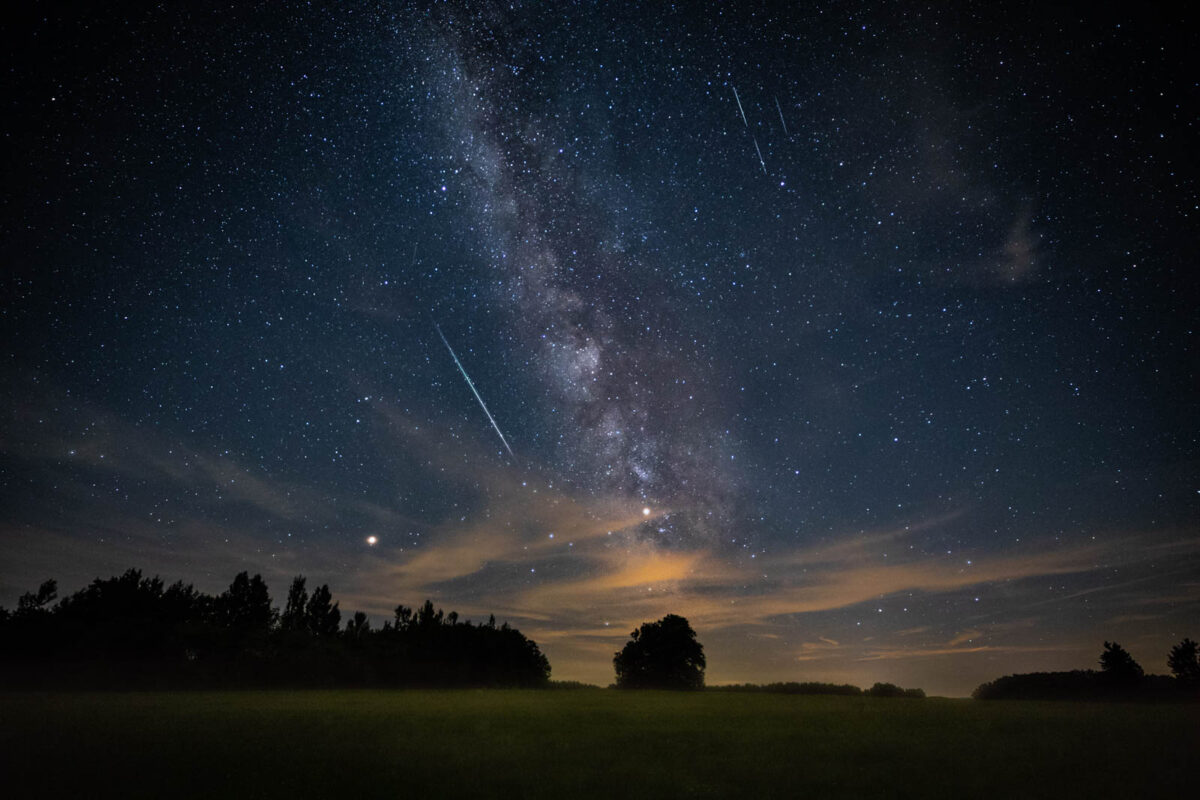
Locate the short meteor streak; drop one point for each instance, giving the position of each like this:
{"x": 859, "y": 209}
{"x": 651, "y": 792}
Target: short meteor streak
{"x": 780, "y": 110}
{"x": 739, "y": 102}
{"x": 760, "y": 158}
{"x": 474, "y": 391}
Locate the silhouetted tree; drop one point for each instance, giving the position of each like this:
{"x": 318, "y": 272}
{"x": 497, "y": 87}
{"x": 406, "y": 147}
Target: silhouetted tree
{"x": 30, "y": 602}
{"x": 293, "y": 618}
{"x": 1118, "y": 666}
{"x": 183, "y": 603}
{"x": 661, "y": 655}
{"x": 246, "y": 605}
{"x": 121, "y": 617}
{"x": 427, "y": 618}
{"x": 29, "y": 631}
{"x": 358, "y": 626}
{"x": 1184, "y": 661}
{"x": 321, "y": 614}
{"x": 403, "y": 618}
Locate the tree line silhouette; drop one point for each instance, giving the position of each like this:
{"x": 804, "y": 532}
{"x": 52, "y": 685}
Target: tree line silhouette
{"x": 1120, "y": 677}
{"x": 815, "y": 687}
{"x": 132, "y": 631}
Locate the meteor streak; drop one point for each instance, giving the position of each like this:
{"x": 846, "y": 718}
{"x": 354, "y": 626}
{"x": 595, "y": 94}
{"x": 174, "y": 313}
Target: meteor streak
{"x": 781, "y": 119}
{"x": 760, "y": 158}
{"x": 739, "y": 102}
{"x": 474, "y": 391}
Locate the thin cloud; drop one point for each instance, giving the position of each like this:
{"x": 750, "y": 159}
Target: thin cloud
{"x": 964, "y": 637}
{"x": 934, "y": 652}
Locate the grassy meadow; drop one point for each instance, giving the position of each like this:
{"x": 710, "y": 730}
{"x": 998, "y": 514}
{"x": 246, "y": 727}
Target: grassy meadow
{"x": 586, "y": 743}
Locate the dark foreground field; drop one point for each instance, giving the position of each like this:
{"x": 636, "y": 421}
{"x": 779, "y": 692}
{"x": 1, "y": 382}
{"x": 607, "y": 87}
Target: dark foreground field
{"x": 588, "y": 743}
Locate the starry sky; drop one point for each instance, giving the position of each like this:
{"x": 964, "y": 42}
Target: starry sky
{"x": 863, "y": 335}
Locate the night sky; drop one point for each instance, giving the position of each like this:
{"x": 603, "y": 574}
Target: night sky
{"x": 861, "y": 335}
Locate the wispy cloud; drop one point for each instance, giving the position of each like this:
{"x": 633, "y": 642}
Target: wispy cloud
{"x": 964, "y": 637}
{"x": 576, "y": 570}
{"x": 820, "y": 650}
{"x": 936, "y": 652}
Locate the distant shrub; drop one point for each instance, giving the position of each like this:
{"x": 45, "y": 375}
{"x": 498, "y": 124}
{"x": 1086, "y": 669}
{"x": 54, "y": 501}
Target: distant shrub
{"x": 885, "y": 690}
{"x": 791, "y": 687}
{"x": 570, "y": 685}
{"x": 1076, "y": 684}
{"x": 1080, "y": 685}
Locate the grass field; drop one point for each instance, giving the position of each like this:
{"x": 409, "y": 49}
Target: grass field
{"x": 587, "y": 743}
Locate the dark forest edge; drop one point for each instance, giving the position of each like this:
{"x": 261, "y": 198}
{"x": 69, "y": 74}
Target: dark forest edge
{"x": 133, "y": 632}
{"x": 1119, "y": 678}
{"x": 130, "y": 631}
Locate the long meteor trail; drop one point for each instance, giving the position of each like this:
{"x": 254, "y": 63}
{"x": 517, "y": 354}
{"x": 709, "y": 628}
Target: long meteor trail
{"x": 739, "y": 102}
{"x": 760, "y": 158}
{"x": 474, "y": 391}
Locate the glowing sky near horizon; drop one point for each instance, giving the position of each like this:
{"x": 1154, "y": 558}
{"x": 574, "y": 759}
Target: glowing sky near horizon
{"x": 861, "y": 335}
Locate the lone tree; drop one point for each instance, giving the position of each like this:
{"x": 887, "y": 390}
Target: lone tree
{"x": 1118, "y": 666}
{"x": 661, "y": 655}
{"x": 1184, "y": 661}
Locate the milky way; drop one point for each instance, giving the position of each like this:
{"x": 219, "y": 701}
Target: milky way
{"x": 552, "y": 217}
